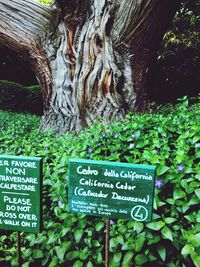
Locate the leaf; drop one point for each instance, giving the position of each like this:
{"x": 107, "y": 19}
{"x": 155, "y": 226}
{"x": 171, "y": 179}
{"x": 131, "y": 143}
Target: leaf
{"x": 122, "y": 229}
{"x": 166, "y": 232}
{"x": 61, "y": 250}
{"x": 78, "y": 234}
{"x": 99, "y": 226}
{"x": 113, "y": 243}
{"x": 197, "y": 192}
{"x": 155, "y": 225}
{"x": 64, "y": 231}
{"x": 187, "y": 250}
{"x": 84, "y": 253}
{"x": 194, "y": 201}
{"x": 162, "y": 252}
{"x": 120, "y": 239}
{"x": 99, "y": 258}
{"x": 137, "y": 134}
{"x": 195, "y": 240}
{"x": 185, "y": 207}
{"x": 170, "y": 220}
{"x": 89, "y": 264}
{"x": 162, "y": 169}
{"x": 72, "y": 255}
{"x": 53, "y": 263}
{"x": 27, "y": 253}
{"x": 127, "y": 258}
{"x": 141, "y": 259}
{"x": 117, "y": 257}
{"x": 171, "y": 201}
{"x": 196, "y": 139}
{"x": 139, "y": 242}
{"x": 78, "y": 264}
{"x": 178, "y": 193}
{"x": 138, "y": 227}
{"x": 190, "y": 218}
{"x": 196, "y": 259}
{"x": 37, "y": 254}
{"x": 95, "y": 243}
{"x": 154, "y": 239}
{"x": 52, "y": 239}
{"x": 186, "y": 234}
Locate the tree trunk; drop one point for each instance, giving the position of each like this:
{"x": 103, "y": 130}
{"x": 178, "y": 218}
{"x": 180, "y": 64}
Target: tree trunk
{"x": 92, "y": 58}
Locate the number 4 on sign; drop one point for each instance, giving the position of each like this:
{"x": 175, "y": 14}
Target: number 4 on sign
{"x": 139, "y": 213}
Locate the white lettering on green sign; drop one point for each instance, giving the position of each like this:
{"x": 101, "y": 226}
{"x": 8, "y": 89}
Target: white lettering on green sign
{"x": 112, "y": 189}
{"x": 20, "y": 193}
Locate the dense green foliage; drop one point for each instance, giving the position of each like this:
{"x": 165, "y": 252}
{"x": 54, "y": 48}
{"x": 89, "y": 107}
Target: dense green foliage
{"x": 184, "y": 30}
{"x": 169, "y": 139}
{"x": 16, "y": 97}
{"x": 177, "y": 70}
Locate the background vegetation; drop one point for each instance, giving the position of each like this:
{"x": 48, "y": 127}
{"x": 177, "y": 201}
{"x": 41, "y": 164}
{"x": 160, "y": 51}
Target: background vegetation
{"x": 16, "y": 97}
{"x": 177, "y": 70}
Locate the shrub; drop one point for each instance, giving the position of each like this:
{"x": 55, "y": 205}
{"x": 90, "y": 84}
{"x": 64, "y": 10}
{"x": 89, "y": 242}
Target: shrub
{"x": 16, "y": 97}
{"x": 176, "y": 73}
{"x": 13, "y": 96}
{"x": 169, "y": 139}
{"x": 34, "y": 100}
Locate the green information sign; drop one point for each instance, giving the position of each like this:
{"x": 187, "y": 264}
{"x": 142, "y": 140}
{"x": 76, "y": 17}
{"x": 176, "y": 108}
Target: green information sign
{"x": 20, "y": 193}
{"x": 111, "y": 189}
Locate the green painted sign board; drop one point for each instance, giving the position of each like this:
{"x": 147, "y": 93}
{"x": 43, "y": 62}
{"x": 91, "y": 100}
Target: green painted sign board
{"x": 111, "y": 189}
{"x": 20, "y": 193}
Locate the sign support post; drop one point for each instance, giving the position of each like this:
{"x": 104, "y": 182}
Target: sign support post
{"x": 107, "y": 242}
{"x": 19, "y": 256}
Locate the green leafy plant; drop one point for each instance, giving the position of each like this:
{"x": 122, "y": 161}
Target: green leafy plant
{"x": 168, "y": 138}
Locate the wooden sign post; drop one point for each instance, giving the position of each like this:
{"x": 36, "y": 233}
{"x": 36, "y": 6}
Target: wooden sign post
{"x": 20, "y": 195}
{"x": 112, "y": 190}
{"x": 107, "y": 244}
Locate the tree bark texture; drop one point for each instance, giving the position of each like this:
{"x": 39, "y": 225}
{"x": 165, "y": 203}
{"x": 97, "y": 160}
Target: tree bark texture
{"x": 92, "y": 57}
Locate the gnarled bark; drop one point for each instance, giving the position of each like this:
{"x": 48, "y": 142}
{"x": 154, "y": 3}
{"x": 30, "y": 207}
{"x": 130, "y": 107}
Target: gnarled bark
{"x": 22, "y": 27}
{"x": 91, "y": 57}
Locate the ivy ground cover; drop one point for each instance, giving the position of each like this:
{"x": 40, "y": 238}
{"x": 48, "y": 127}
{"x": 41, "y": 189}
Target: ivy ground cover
{"x": 168, "y": 138}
